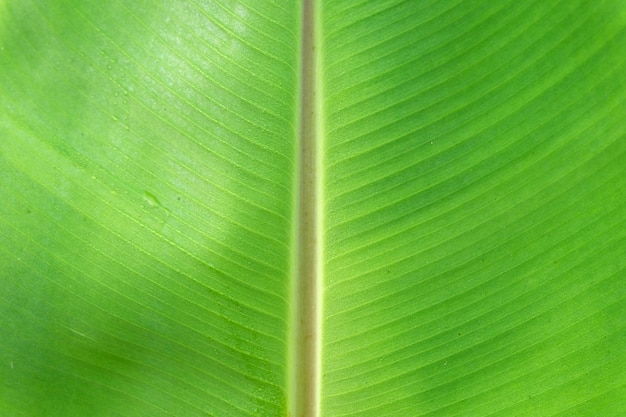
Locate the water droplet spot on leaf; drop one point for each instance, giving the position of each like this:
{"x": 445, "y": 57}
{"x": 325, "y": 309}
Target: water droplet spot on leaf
{"x": 151, "y": 200}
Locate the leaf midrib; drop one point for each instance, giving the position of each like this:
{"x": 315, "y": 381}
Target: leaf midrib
{"x": 305, "y": 374}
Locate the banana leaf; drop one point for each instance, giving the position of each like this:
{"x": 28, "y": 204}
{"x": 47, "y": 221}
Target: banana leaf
{"x": 321, "y": 208}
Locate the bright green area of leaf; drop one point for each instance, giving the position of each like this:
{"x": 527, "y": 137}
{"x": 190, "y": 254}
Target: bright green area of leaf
{"x": 474, "y": 207}
{"x": 475, "y": 160}
{"x": 147, "y": 159}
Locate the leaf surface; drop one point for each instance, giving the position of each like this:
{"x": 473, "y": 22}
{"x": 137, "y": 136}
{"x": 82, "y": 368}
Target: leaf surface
{"x": 475, "y": 200}
{"x": 473, "y": 204}
{"x": 147, "y": 161}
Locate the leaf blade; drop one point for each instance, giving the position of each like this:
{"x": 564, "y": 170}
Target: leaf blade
{"x": 153, "y": 214}
{"x": 466, "y": 154}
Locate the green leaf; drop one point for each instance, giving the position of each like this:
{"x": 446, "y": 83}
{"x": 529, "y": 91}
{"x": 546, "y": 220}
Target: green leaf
{"x": 476, "y": 209}
{"x": 466, "y": 187}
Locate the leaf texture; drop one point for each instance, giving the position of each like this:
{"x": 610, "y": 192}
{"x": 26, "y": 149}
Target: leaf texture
{"x": 146, "y": 160}
{"x": 474, "y": 198}
{"x": 474, "y": 157}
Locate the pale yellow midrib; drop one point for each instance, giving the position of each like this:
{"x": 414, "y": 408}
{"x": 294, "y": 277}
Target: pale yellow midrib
{"x": 306, "y": 360}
